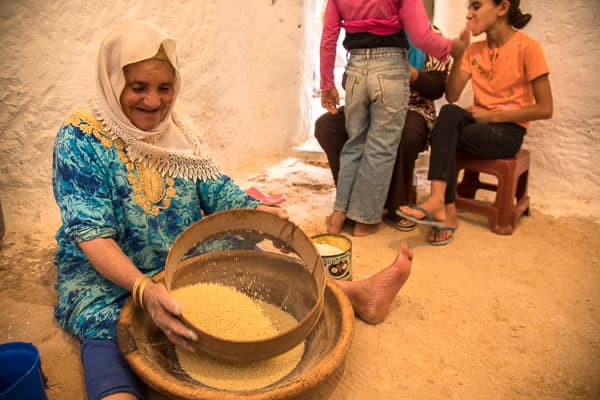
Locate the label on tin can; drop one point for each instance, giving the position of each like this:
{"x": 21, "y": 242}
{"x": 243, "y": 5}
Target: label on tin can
{"x": 339, "y": 267}
{"x": 336, "y": 253}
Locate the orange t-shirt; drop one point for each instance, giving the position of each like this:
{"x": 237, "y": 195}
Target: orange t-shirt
{"x": 501, "y": 77}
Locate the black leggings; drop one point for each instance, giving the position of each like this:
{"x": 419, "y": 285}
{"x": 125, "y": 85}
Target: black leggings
{"x": 456, "y": 131}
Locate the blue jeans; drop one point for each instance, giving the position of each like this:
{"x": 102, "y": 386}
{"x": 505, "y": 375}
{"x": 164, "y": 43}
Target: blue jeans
{"x": 106, "y": 371}
{"x": 377, "y": 91}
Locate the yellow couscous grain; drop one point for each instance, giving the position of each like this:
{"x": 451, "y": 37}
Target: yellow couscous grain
{"x": 257, "y": 319}
{"x": 224, "y": 312}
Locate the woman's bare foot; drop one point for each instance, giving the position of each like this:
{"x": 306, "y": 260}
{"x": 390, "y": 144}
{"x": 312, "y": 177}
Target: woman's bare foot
{"x": 335, "y": 222}
{"x": 361, "y": 229}
{"x": 371, "y": 298}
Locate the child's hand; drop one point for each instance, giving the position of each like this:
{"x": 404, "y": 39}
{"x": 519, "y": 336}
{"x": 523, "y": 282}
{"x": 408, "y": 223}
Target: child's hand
{"x": 465, "y": 36}
{"x": 330, "y": 100}
{"x": 482, "y": 115}
{"x": 460, "y": 44}
{"x": 414, "y": 73}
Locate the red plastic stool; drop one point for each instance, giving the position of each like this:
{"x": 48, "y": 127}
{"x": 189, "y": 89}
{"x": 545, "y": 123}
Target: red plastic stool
{"x": 511, "y": 200}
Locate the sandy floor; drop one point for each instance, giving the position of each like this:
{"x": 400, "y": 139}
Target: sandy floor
{"x": 507, "y": 317}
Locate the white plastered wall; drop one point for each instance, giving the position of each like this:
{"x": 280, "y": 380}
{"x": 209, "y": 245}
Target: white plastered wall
{"x": 243, "y": 67}
{"x": 248, "y": 70}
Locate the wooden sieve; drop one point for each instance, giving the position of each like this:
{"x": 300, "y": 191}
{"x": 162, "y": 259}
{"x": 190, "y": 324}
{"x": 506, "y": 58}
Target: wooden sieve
{"x": 294, "y": 281}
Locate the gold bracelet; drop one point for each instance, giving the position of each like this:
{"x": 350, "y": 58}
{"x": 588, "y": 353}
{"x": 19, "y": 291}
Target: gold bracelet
{"x": 136, "y": 285}
{"x": 141, "y": 291}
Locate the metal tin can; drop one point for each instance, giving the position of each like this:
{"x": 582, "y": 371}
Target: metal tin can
{"x": 337, "y": 256}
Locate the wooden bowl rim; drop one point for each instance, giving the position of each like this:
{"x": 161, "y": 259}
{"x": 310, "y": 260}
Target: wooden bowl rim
{"x": 301, "y": 384}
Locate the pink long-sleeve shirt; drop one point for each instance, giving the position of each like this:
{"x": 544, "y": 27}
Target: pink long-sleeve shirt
{"x": 379, "y": 17}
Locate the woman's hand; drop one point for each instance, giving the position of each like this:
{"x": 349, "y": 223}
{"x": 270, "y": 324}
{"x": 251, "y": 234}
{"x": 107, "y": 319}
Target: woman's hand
{"x": 278, "y": 211}
{"x": 281, "y": 213}
{"x": 110, "y": 261}
{"x": 165, "y": 312}
{"x": 330, "y": 99}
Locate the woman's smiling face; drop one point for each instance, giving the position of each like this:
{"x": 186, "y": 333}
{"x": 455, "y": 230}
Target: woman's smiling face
{"x": 148, "y": 93}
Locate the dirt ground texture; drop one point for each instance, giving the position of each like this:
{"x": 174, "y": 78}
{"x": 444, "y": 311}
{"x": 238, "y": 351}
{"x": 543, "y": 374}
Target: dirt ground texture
{"x": 486, "y": 317}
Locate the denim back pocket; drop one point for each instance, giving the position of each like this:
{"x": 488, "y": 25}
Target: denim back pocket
{"x": 393, "y": 89}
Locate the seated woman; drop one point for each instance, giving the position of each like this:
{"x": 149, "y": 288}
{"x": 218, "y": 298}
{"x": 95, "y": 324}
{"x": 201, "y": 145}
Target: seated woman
{"x": 427, "y": 83}
{"x": 130, "y": 173}
{"x": 509, "y": 76}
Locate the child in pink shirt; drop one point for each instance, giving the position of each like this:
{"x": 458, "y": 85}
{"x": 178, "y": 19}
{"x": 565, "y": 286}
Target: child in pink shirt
{"x": 377, "y": 89}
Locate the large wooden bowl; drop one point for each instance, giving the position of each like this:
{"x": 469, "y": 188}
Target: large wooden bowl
{"x": 153, "y": 359}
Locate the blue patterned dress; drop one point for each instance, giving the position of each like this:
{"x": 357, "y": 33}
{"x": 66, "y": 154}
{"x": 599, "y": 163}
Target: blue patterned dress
{"x": 101, "y": 193}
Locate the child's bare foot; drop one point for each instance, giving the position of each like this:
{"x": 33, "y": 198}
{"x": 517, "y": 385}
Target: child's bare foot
{"x": 435, "y": 207}
{"x": 335, "y": 222}
{"x": 371, "y": 298}
{"x": 361, "y": 229}
{"x": 443, "y": 235}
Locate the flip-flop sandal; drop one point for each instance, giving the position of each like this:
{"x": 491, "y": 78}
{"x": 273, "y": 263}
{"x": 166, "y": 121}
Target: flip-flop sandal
{"x": 426, "y": 220}
{"x": 403, "y": 224}
{"x": 265, "y": 199}
{"x": 442, "y": 229}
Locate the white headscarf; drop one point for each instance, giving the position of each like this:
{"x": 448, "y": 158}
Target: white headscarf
{"x": 175, "y": 147}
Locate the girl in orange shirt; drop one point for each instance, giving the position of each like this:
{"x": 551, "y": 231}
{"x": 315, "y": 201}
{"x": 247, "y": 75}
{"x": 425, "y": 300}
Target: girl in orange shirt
{"x": 509, "y": 77}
